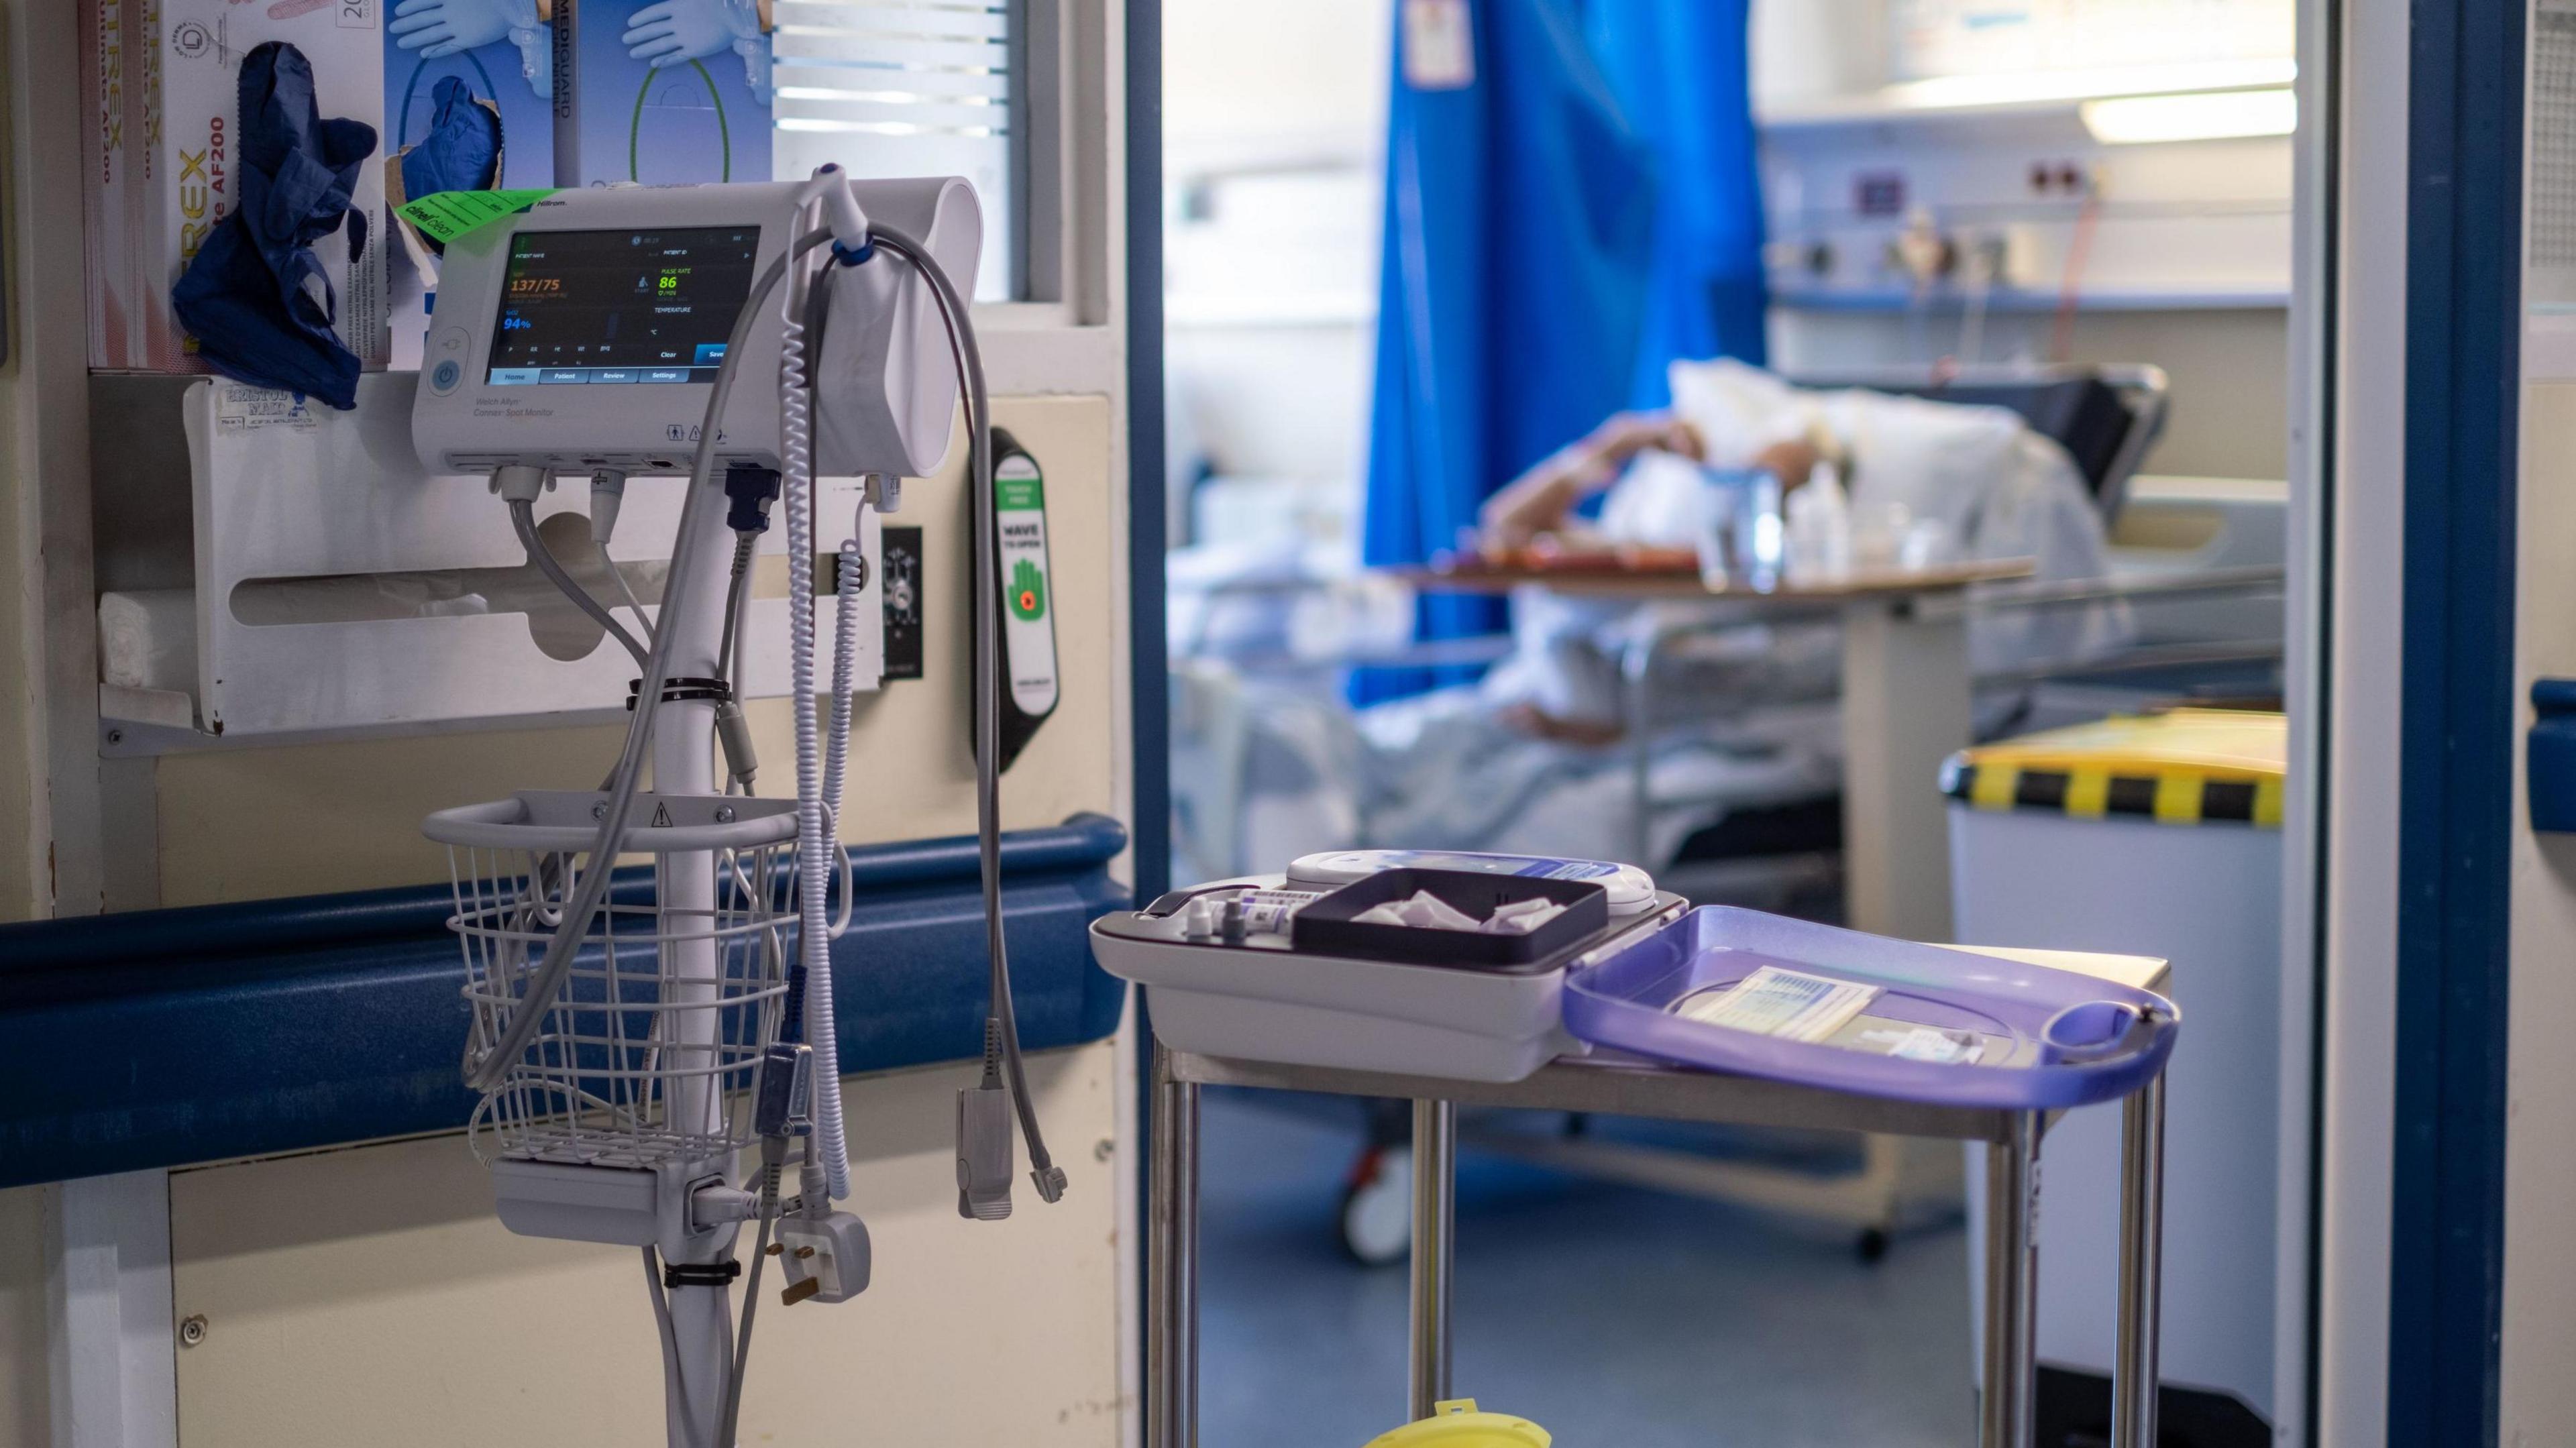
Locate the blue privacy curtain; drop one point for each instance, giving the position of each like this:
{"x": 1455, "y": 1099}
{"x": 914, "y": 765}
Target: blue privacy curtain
{"x": 1552, "y": 239}
{"x": 1679, "y": 68}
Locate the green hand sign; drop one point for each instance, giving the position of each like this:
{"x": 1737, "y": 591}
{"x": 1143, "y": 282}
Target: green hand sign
{"x": 1028, "y": 591}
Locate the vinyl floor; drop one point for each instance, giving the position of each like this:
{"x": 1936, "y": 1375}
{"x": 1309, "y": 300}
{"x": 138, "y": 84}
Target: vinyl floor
{"x": 1615, "y": 1317}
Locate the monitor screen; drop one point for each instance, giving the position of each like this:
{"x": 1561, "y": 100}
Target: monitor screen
{"x": 620, "y": 306}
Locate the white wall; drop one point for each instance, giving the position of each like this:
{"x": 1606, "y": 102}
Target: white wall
{"x": 1238, "y": 76}
{"x": 2538, "y": 1394}
{"x": 371, "y": 1288}
{"x": 2229, "y": 370}
{"x": 48, "y": 777}
{"x": 1807, "y": 50}
{"x": 1274, "y": 120}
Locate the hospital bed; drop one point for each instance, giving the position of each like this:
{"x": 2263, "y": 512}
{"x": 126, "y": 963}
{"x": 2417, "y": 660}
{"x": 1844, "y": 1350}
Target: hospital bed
{"x": 2208, "y": 621}
{"x": 1264, "y": 632}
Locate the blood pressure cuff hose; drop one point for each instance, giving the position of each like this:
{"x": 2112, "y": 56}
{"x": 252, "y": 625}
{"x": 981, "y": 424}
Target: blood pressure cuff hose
{"x": 256, "y": 298}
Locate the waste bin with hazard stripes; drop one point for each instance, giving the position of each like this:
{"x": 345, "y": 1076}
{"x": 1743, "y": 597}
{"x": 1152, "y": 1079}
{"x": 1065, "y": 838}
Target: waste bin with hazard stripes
{"x": 2152, "y": 836}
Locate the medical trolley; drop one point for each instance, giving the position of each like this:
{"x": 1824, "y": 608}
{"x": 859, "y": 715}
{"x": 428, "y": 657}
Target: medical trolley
{"x": 1646, "y": 1002}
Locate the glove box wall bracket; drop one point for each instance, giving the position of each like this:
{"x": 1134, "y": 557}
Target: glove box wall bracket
{"x": 335, "y": 589}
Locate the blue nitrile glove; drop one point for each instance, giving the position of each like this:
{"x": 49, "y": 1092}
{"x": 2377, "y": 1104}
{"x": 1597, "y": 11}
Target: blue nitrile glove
{"x": 444, "y": 27}
{"x": 461, "y": 152}
{"x": 256, "y": 298}
{"x": 755, "y": 67}
{"x": 674, "y": 32}
{"x": 536, "y": 56}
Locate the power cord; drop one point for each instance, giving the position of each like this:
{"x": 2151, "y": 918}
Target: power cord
{"x": 674, "y": 1382}
{"x": 523, "y": 519}
{"x": 773, "y": 1158}
{"x": 626, "y": 594}
{"x": 729, "y": 652}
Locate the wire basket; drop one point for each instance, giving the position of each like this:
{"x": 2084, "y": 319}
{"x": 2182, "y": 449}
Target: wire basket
{"x": 652, "y": 1046}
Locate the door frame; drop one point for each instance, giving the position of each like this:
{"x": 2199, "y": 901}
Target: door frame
{"x": 2411, "y": 527}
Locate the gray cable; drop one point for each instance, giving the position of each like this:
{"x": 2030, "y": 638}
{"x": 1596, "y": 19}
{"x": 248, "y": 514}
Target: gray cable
{"x": 733, "y": 730}
{"x": 523, "y": 517}
{"x": 969, "y": 360}
{"x": 737, "y": 614}
{"x": 696, "y": 507}
{"x": 626, "y": 595}
{"x": 773, "y": 1156}
{"x": 674, "y": 1384}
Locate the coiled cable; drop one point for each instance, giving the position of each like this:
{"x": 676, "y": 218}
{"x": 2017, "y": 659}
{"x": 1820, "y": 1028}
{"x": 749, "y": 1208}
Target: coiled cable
{"x": 813, "y": 838}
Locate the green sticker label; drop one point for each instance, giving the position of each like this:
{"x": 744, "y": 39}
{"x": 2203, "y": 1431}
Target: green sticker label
{"x": 447, "y": 215}
{"x": 1017, "y": 488}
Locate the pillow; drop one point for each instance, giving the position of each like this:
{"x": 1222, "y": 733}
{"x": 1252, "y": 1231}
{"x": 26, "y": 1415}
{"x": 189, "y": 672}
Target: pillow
{"x": 1739, "y": 410}
{"x": 1938, "y": 459}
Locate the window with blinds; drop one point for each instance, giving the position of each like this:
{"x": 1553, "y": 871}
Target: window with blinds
{"x": 909, "y": 88}
{"x": 2552, "y": 203}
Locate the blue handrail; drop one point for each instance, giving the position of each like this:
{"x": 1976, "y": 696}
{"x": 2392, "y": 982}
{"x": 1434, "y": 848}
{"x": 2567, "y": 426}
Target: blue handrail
{"x": 168, "y": 1037}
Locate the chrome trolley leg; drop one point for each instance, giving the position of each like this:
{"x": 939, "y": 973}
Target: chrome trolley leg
{"x": 2004, "y": 1401}
{"x": 2142, "y": 1221}
{"x": 1172, "y": 1266}
{"x": 1435, "y": 1224}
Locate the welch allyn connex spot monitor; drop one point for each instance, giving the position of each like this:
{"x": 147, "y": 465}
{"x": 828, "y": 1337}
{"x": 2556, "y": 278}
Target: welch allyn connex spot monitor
{"x": 585, "y": 332}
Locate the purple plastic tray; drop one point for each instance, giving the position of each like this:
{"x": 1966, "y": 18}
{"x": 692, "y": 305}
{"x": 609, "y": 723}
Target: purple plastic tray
{"x": 2053, "y": 1038}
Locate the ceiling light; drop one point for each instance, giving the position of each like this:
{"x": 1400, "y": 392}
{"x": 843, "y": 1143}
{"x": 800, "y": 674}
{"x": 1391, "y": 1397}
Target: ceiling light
{"x": 2205, "y": 116}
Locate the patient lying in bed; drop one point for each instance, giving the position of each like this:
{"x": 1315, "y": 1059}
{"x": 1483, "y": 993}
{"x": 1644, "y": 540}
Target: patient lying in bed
{"x": 1745, "y": 717}
{"x": 1976, "y": 477}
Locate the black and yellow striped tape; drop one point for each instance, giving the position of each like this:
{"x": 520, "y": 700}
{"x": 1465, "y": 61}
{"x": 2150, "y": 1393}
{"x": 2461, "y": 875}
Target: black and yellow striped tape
{"x": 2168, "y": 794}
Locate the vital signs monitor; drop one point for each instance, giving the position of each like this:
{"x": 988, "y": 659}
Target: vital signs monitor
{"x": 586, "y": 331}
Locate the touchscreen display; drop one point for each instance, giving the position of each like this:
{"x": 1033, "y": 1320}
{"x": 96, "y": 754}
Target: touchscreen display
{"x": 620, "y": 306}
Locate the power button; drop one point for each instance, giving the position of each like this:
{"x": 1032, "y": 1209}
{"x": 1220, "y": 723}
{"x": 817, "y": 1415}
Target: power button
{"x": 444, "y": 377}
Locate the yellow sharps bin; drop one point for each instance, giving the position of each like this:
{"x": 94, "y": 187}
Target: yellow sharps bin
{"x": 1458, "y": 1425}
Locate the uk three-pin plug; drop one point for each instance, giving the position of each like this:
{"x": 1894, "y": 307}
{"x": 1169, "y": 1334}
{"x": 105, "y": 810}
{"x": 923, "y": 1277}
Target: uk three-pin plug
{"x": 825, "y": 1258}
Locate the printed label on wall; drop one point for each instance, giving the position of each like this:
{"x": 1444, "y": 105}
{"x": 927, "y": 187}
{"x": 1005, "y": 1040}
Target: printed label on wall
{"x": 241, "y": 407}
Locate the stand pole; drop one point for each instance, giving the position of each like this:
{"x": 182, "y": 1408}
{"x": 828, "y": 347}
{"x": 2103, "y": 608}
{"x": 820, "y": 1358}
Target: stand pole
{"x": 2142, "y": 1226}
{"x": 1172, "y": 1265}
{"x": 2005, "y": 1398}
{"x": 1435, "y": 1250}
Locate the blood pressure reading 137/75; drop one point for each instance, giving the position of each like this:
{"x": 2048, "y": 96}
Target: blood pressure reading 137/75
{"x": 600, "y": 307}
